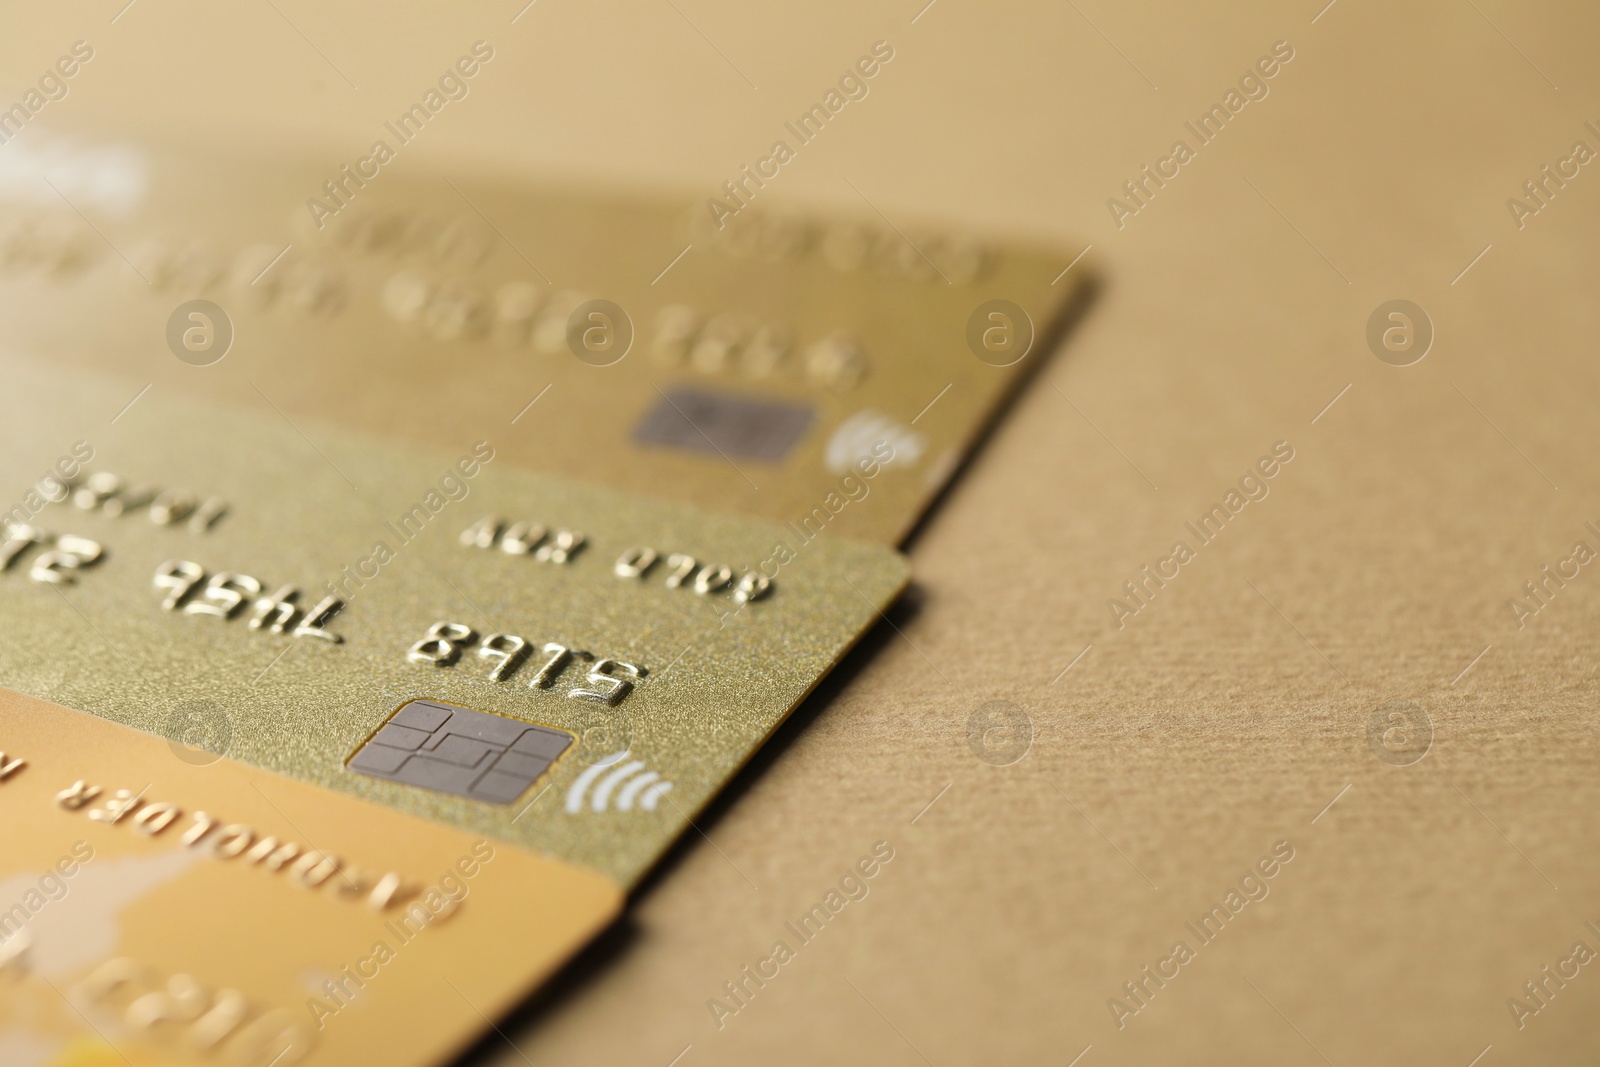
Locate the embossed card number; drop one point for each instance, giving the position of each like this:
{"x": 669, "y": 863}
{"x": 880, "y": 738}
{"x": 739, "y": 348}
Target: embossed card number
{"x": 558, "y": 545}
{"x": 106, "y": 492}
{"x": 204, "y": 1018}
{"x": 65, "y": 554}
{"x": 523, "y": 539}
{"x": 608, "y": 680}
{"x": 225, "y": 592}
{"x": 708, "y": 578}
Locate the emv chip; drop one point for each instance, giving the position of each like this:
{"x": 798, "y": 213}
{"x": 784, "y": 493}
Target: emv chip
{"x": 458, "y": 750}
{"x": 739, "y": 426}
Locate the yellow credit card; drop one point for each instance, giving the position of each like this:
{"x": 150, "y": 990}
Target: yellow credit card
{"x": 160, "y": 908}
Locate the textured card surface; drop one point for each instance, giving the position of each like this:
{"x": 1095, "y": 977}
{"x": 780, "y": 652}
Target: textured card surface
{"x": 746, "y": 367}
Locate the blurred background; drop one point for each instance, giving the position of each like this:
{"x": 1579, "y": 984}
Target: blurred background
{"x": 1341, "y": 670}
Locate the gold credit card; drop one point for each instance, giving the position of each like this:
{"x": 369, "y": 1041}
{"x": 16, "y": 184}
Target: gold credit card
{"x": 743, "y": 362}
{"x": 436, "y": 654}
{"x": 321, "y": 582}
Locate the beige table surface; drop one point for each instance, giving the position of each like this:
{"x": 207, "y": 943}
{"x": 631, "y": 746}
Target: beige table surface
{"x": 1232, "y": 711}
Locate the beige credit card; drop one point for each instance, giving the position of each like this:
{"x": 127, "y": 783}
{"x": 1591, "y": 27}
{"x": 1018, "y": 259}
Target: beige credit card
{"x": 743, "y": 362}
{"x": 359, "y": 533}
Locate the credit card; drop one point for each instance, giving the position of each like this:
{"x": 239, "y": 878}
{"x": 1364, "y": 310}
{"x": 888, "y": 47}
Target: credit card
{"x": 395, "y": 646}
{"x": 319, "y": 581}
{"x": 161, "y": 907}
{"x": 746, "y": 362}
